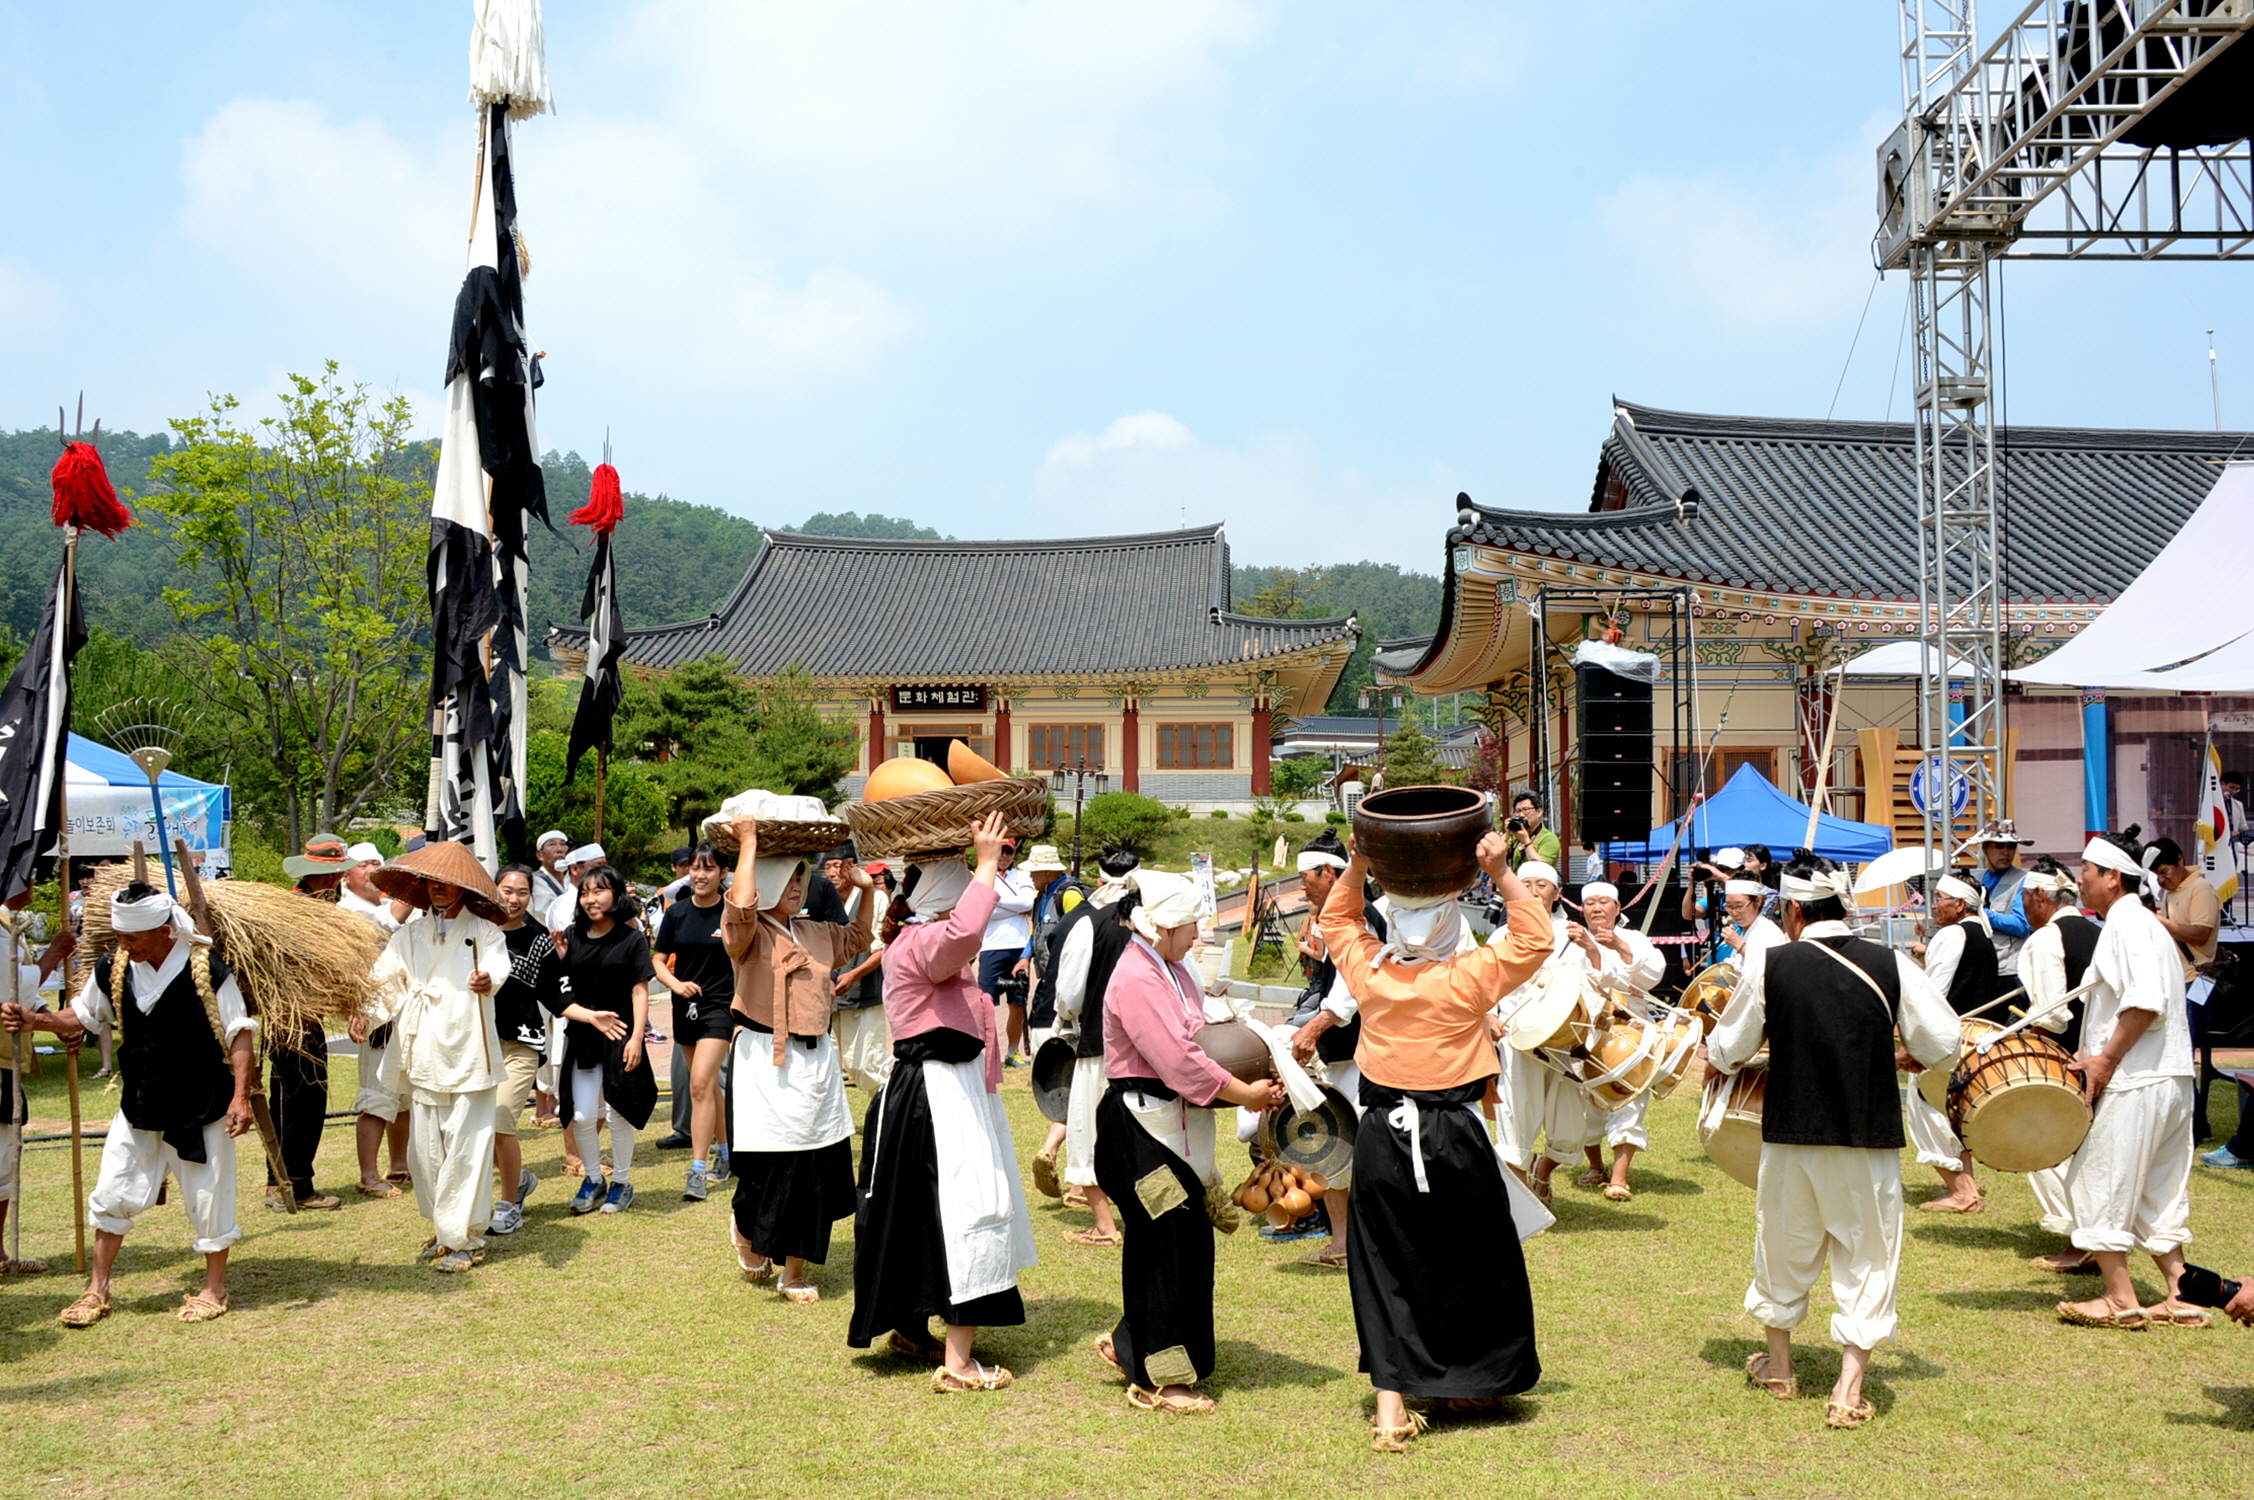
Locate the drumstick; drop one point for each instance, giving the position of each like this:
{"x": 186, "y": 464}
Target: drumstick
{"x": 2078, "y": 991}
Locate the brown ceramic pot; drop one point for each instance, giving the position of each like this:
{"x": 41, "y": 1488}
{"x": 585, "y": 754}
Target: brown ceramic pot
{"x": 1237, "y": 1048}
{"x": 1419, "y": 839}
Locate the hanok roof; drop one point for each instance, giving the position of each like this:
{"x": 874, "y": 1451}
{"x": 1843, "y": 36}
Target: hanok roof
{"x": 919, "y": 611}
{"x": 1829, "y": 508}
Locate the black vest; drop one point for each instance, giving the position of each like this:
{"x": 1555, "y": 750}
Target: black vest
{"x": 2078, "y": 935}
{"x": 1974, "y": 983}
{"x": 1831, "y": 1047}
{"x": 1338, "y": 1043}
{"x": 1110, "y": 935}
{"x": 174, "y": 1076}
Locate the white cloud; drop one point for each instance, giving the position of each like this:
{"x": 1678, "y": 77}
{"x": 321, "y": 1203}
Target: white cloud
{"x": 1145, "y": 429}
{"x": 29, "y": 302}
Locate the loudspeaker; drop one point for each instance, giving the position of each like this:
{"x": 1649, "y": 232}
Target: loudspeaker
{"x": 1614, "y": 719}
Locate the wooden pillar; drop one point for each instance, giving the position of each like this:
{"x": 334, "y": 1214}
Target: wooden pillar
{"x": 1260, "y": 733}
{"x": 1130, "y": 746}
{"x": 1001, "y": 734}
{"x": 876, "y": 732}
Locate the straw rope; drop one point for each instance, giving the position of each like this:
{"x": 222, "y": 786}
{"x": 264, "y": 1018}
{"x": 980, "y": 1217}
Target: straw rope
{"x": 943, "y": 820}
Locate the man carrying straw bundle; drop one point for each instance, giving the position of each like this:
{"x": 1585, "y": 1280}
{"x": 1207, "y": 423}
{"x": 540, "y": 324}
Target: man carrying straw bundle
{"x": 435, "y": 985}
{"x": 186, "y": 1064}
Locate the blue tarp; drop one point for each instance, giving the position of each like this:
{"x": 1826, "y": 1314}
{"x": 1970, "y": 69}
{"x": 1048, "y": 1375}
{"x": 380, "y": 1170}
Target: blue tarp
{"x": 109, "y": 806}
{"x": 1749, "y": 810}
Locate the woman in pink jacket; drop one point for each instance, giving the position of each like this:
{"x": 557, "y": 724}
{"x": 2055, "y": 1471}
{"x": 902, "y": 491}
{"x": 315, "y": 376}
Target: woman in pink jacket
{"x": 943, "y": 1230}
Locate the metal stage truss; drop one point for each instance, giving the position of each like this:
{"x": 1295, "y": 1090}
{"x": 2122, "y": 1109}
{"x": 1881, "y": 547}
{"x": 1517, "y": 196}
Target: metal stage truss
{"x": 2076, "y": 134}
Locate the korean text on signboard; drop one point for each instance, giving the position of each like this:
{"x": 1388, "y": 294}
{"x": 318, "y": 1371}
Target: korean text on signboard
{"x": 918, "y": 700}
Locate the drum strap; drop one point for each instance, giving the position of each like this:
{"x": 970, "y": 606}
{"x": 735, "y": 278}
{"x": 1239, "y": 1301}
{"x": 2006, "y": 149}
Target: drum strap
{"x": 1859, "y": 972}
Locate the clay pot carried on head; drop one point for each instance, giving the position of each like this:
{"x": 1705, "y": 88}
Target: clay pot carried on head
{"x": 1419, "y": 839}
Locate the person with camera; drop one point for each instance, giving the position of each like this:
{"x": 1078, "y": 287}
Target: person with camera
{"x": 1524, "y": 836}
{"x": 1001, "y": 974}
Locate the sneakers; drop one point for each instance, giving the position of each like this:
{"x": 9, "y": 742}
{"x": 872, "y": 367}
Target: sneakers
{"x": 721, "y": 1165}
{"x": 589, "y": 1197}
{"x": 621, "y": 1198}
{"x": 699, "y": 1188}
{"x": 677, "y": 1141}
{"x": 526, "y": 1182}
{"x": 2221, "y": 1157}
{"x": 1017, "y": 1060}
{"x": 507, "y": 1218}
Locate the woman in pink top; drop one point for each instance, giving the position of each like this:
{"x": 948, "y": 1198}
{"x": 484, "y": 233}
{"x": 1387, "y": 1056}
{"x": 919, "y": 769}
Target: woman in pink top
{"x": 1154, "y": 1151}
{"x": 943, "y": 1230}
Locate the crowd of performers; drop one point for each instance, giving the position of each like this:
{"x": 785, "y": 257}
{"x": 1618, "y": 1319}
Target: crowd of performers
{"x": 481, "y": 1008}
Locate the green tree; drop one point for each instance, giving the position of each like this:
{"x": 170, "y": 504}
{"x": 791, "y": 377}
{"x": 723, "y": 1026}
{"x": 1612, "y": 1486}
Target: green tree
{"x": 1128, "y": 819}
{"x": 1285, "y": 597}
{"x": 795, "y": 749}
{"x": 693, "y": 726}
{"x": 300, "y": 545}
{"x": 634, "y": 804}
{"x": 847, "y": 523}
{"x": 1410, "y": 758}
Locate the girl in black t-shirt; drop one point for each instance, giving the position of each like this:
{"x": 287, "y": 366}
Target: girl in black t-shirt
{"x": 703, "y": 984}
{"x": 604, "y": 1069}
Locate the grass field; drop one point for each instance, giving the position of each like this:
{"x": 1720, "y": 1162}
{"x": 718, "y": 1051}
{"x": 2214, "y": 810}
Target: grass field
{"x": 623, "y": 1357}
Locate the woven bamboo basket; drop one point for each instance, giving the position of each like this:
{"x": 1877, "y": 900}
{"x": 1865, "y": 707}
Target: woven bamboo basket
{"x": 301, "y": 963}
{"x": 780, "y": 837}
{"x": 942, "y": 822}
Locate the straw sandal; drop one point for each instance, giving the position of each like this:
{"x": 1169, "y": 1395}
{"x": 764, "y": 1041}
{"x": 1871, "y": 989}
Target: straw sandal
{"x": 908, "y": 1348}
{"x": 385, "y": 1190}
{"x": 1590, "y": 1177}
{"x": 1095, "y": 1239}
{"x": 758, "y": 1275}
{"x": 1323, "y": 1255}
{"x": 1075, "y": 1196}
{"x": 1783, "y": 1387}
{"x": 1045, "y": 1175}
{"x": 1944, "y": 1206}
{"x": 1397, "y": 1439}
{"x": 2129, "y": 1320}
{"x": 198, "y": 1308}
{"x": 1192, "y": 1405}
{"x": 2088, "y": 1262}
{"x": 2178, "y": 1315}
{"x": 1108, "y": 1352}
{"x": 398, "y": 1177}
{"x": 1541, "y": 1187}
{"x": 945, "y": 1382}
{"x": 1618, "y": 1192}
{"x": 800, "y": 1292}
{"x": 86, "y": 1311}
{"x": 22, "y": 1266}
{"x": 1849, "y": 1417}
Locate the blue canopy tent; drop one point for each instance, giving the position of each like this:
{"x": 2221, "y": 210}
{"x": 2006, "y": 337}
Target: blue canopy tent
{"x": 1749, "y": 810}
{"x": 108, "y": 803}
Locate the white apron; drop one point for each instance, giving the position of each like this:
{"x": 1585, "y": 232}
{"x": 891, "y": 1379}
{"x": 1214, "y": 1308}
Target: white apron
{"x": 797, "y": 1107}
{"x": 1181, "y": 1128}
{"x": 982, "y": 1212}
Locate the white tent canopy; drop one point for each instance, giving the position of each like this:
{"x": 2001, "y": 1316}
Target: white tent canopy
{"x": 1899, "y": 659}
{"x": 2181, "y": 626}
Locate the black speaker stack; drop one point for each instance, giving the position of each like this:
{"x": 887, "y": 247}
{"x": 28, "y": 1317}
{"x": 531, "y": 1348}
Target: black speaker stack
{"x": 1616, "y": 758}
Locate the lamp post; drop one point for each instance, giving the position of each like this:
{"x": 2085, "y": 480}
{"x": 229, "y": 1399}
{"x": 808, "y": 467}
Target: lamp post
{"x": 1082, "y": 774}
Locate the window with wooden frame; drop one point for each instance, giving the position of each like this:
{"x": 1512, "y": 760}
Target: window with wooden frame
{"x": 1051, "y": 747}
{"x": 1196, "y": 747}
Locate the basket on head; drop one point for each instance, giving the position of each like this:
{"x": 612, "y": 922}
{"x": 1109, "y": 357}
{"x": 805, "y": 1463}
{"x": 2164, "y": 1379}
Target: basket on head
{"x": 787, "y": 825}
{"x": 931, "y": 823}
{"x": 408, "y": 878}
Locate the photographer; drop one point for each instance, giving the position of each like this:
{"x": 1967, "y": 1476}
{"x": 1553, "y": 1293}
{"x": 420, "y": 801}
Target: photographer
{"x": 1525, "y": 838}
{"x": 999, "y": 958}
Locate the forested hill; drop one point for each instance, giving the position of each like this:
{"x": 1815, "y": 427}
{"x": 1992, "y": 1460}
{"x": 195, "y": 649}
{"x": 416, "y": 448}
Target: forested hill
{"x": 676, "y": 561}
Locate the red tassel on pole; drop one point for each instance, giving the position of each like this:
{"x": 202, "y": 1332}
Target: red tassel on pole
{"x": 605, "y": 504}
{"x": 83, "y": 496}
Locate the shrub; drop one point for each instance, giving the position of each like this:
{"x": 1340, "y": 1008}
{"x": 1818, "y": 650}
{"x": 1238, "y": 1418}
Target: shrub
{"x": 1221, "y": 813}
{"x": 1128, "y": 819}
{"x": 1295, "y": 817}
{"x": 1335, "y": 818}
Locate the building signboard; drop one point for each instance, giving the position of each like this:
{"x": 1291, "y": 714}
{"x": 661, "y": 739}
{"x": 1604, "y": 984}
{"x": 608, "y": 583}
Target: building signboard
{"x": 938, "y": 700}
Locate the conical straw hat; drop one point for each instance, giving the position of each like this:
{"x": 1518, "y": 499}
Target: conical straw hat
{"x": 451, "y": 863}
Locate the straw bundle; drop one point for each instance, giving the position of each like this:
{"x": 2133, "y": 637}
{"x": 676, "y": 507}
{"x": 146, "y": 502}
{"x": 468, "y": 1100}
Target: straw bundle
{"x": 301, "y": 963}
{"x": 941, "y": 821}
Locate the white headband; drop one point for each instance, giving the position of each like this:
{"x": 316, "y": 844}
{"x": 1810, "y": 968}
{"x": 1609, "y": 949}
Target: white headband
{"x": 1823, "y": 887}
{"x": 2052, "y": 885}
{"x": 1316, "y": 859}
{"x": 1535, "y": 869}
{"x": 1949, "y": 885}
{"x": 556, "y": 835}
{"x": 145, "y": 915}
{"x": 586, "y": 854}
{"x": 1169, "y": 901}
{"x": 1596, "y": 888}
{"x": 2109, "y": 855}
{"x": 1744, "y": 888}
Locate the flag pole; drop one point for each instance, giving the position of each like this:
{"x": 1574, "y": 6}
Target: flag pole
{"x": 62, "y": 914}
{"x": 602, "y": 759}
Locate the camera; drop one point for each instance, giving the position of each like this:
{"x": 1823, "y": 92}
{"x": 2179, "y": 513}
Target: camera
{"x": 2204, "y": 1288}
{"x": 1516, "y": 825}
{"x": 1011, "y": 989}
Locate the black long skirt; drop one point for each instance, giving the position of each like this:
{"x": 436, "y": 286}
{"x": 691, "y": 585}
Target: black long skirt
{"x": 786, "y": 1201}
{"x": 1439, "y": 1283}
{"x": 1165, "y": 1332}
{"x": 899, "y": 1247}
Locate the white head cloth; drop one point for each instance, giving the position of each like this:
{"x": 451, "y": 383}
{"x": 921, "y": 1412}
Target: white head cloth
{"x": 1109, "y": 889}
{"x": 1965, "y": 891}
{"x": 1834, "y": 885}
{"x": 1596, "y": 888}
{"x": 145, "y": 915}
{"x": 1316, "y": 859}
{"x": 1535, "y": 869}
{"x": 2111, "y": 856}
{"x": 586, "y": 854}
{"x": 1744, "y": 888}
{"x": 364, "y": 852}
{"x": 1423, "y": 934}
{"x": 771, "y": 875}
{"x": 556, "y": 835}
{"x": 940, "y": 883}
{"x": 2049, "y": 884}
{"x": 1169, "y": 901}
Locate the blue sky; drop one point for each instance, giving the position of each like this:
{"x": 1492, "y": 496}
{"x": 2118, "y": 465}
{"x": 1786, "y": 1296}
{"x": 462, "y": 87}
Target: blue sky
{"x": 1034, "y": 269}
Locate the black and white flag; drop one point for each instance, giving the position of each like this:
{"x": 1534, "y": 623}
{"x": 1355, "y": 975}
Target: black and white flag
{"x": 35, "y": 741}
{"x": 599, "y": 692}
{"x": 489, "y": 484}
